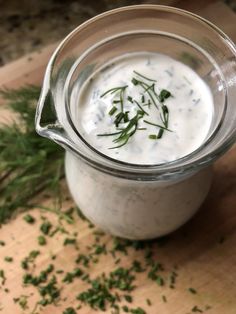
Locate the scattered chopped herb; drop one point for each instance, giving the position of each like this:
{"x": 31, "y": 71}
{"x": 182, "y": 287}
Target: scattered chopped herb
{"x": 2, "y": 276}
{"x": 196, "y": 309}
{"x": 128, "y": 298}
{"x": 164, "y": 299}
{"x": 193, "y": 291}
{"x": 69, "y": 241}
{"x": 138, "y": 310}
{"x": 46, "y": 227}
{"x": 164, "y": 94}
{"x": 160, "y": 281}
{"x": 125, "y": 308}
{"x": 2, "y": 243}
{"x": 29, "y": 219}
{"x": 29, "y": 259}
{"x": 42, "y": 240}
{"x": 149, "y": 303}
{"x": 69, "y": 277}
{"x": 69, "y": 310}
{"x": 8, "y": 259}
{"x": 22, "y": 301}
{"x": 112, "y": 111}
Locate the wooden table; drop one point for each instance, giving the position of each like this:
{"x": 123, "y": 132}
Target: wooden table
{"x": 204, "y": 250}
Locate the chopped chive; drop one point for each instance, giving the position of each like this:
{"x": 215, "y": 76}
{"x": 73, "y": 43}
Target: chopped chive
{"x": 149, "y": 303}
{"x": 143, "y": 99}
{"x": 152, "y": 137}
{"x": 29, "y": 219}
{"x": 41, "y": 240}
{"x": 192, "y": 290}
{"x": 160, "y": 133}
{"x": 164, "y": 94}
{"x": 112, "y": 111}
{"x": 130, "y": 99}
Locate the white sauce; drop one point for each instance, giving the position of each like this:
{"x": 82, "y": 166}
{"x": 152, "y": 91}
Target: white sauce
{"x": 139, "y": 209}
{"x": 190, "y": 109}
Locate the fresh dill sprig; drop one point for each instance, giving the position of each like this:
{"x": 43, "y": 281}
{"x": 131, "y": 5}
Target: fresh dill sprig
{"x": 26, "y": 165}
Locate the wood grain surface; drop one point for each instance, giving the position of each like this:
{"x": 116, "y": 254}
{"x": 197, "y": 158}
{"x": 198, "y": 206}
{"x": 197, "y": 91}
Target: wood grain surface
{"x": 203, "y": 251}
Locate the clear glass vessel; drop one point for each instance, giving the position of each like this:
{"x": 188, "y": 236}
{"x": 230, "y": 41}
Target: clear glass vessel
{"x": 131, "y": 200}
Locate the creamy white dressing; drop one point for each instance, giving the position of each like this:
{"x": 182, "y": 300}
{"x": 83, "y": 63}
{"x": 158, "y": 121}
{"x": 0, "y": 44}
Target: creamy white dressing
{"x": 190, "y": 109}
{"x": 139, "y": 209}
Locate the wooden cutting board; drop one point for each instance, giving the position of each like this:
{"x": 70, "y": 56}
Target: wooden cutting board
{"x": 204, "y": 250}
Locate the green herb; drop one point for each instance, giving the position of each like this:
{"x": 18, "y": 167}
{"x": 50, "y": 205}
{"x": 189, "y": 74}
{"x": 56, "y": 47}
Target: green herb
{"x": 164, "y": 94}
{"x": 22, "y": 301}
{"x": 149, "y": 303}
{"x": 46, "y": 227}
{"x": 2, "y": 276}
{"x": 29, "y": 219}
{"x": 32, "y": 171}
{"x": 112, "y": 111}
{"x": 29, "y": 259}
{"x": 69, "y": 310}
{"x": 138, "y": 310}
{"x": 8, "y": 259}
{"x": 69, "y": 277}
{"x": 164, "y": 299}
{"x": 193, "y": 291}
{"x": 196, "y": 309}
{"x": 128, "y": 298}
{"x": 2, "y": 243}
{"x": 160, "y": 281}
{"x": 69, "y": 241}
{"x": 125, "y": 308}
{"x": 42, "y": 240}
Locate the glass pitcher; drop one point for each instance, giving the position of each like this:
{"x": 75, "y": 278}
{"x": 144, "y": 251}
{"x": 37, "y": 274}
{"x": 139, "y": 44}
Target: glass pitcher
{"x": 130, "y": 200}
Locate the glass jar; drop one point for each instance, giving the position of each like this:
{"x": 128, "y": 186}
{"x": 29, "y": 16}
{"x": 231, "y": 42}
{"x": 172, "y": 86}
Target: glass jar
{"x": 131, "y": 200}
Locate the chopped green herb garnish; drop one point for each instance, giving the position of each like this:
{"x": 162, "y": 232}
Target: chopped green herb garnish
{"x": 112, "y": 111}
{"x": 8, "y": 259}
{"x": 2, "y": 276}
{"x": 196, "y": 309}
{"x": 193, "y": 291}
{"x": 69, "y": 310}
{"x": 152, "y": 137}
{"x": 2, "y": 243}
{"x": 29, "y": 219}
{"x": 128, "y": 298}
{"x": 41, "y": 240}
{"x": 69, "y": 241}
{"x": 149, "y": 303}
{"x": 138, "y": 310}
{"x": 46, "y": 227}
{"x": 164, "y": 94}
